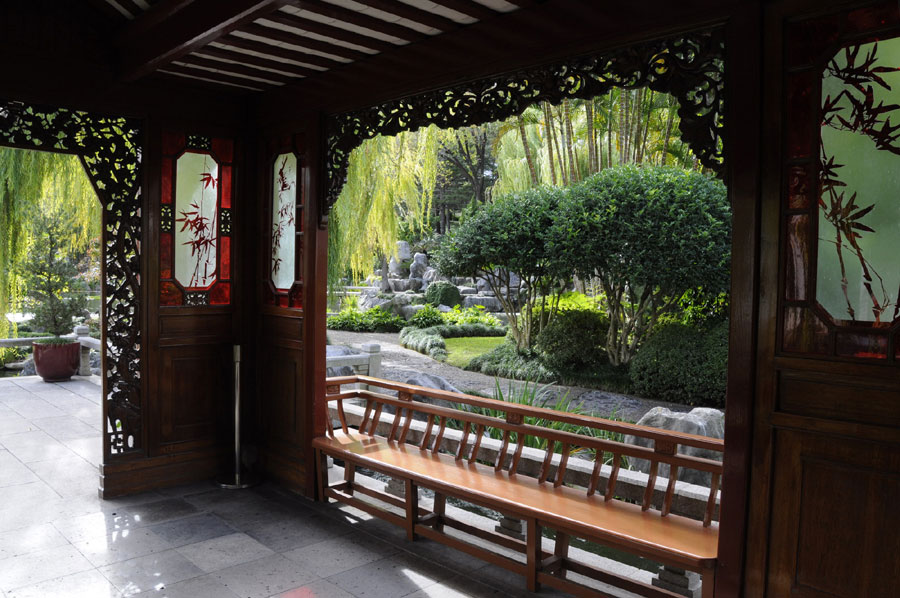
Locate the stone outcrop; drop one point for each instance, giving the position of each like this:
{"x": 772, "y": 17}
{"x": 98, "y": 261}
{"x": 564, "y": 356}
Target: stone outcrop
{"x": 701, "y": 421}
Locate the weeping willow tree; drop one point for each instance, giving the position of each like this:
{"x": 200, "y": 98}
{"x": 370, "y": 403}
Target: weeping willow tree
{"x": 389, "y": 180}
{"x": 31, "y": 183}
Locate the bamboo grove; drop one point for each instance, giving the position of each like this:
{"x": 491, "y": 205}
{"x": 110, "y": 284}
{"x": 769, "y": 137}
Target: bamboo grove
{"x": 422, "y": 181}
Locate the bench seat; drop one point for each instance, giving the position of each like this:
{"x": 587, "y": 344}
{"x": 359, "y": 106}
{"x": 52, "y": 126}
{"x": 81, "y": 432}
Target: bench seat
{"x": 673, "y": 539}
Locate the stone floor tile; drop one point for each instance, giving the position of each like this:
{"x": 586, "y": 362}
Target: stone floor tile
{"x": 87, "y": 584}
{"x": 65, "y": 427}
{"x": 34, "y": 408}
{"x": 397, "y": 575}
{"x": 89, "y": 449}
{"x": 264, "y": 577}
{"x": 337, "y": 555}
{"x": 96, "y": 525}
{"x": 317, "y": 589}
{"x": 288, "y": 534}
{"x": 35, "y": 567}
{"x": 512, "y": 583}
{"x": 443, "y": 555}
{"x": 151, "y": 572}
{"x": 459, "y": 587}
{"x": 162, "y": 510}
{"x": 187, "y": 490}
{"x": 30, "y": 539}
{"x": 199, "y": 587}
{"x": 13, "y": 423}
{"x": 226, "y": 551}
{"x": 121, "y": 546}
{"x": 13, "y": 472}
{"x": 191, "y": 530}
{"x": 37, "y": 445}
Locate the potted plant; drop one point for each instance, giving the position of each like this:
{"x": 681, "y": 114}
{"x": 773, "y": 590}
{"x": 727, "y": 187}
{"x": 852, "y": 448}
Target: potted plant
{"x": 50, "y": 276}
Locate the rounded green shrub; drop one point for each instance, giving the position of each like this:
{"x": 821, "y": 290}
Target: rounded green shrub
{"x": 426, "y": 317}
{"x": 683, "y": 364}
{"x": 574, "y": 340}
{"x": 443, "y": 293}
{"x": 371, "y": 320}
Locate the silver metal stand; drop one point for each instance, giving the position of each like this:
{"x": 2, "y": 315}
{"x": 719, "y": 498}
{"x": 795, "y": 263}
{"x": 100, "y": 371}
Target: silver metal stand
{"x": 239, "y": 480}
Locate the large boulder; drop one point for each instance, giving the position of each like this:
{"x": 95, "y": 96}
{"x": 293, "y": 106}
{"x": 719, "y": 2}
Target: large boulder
{"x": 28, "y": 369}
{"x": 430, "y": 275}
{"x": 416, "y": 284}
{"x": 395, "y": 268}
{"x": 491, "y": 304}
{"x": 432, "y": 381}
{"x": 369, "y": 299}
{"x": 404, "y": 253}
{"x": 418, "y": 266}
{"x": 701, "y": 421}
{"x": 408, "y": 311}
{"x": 468, "y": 291}
{"x": 399, "y": 285}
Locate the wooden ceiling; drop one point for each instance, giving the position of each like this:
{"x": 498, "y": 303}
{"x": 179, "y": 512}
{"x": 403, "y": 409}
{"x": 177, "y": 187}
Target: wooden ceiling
{"x": 260, "y": 45}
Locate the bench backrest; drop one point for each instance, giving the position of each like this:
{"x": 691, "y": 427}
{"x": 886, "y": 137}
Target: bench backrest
{"x": 514, "y": 431}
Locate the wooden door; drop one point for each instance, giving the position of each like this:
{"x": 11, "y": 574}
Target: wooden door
{"x": 193, "y": 321}
{"x": 826, "y": 467}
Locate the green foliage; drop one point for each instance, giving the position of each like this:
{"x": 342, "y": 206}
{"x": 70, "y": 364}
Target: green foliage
{"x": 49, "y": 273}
{"x": 530, "y": 395}
{"x": 514, "y": 234}
{"x": 471, "y": 315}
{"x": 462, "y": 350}
{"x": 430, "y": 341}
{"x": 574, "y": 341}
{"x": 443, "y": 293}
{"x": 54, "y": 340}
{"x": 649, "y": 235}
{"x": 683, "y": 364}
{"x": 426, "y": 317}
{"x": 371, "y": 320}
{"x": 507, "y": 362}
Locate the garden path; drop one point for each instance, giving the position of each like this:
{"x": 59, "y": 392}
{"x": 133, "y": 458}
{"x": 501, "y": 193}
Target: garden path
{"x": 400, "y": 363}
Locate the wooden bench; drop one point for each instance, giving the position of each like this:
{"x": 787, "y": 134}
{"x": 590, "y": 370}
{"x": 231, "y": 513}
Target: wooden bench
{"x": 544, "y": 501}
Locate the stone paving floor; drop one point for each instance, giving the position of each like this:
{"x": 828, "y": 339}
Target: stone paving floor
{"x": 57, "y": 538}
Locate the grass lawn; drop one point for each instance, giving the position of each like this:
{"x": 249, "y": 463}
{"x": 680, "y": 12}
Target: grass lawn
{"x": 462, "y": 350}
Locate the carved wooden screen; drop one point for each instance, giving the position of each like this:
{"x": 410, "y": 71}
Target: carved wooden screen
{"x": 841, "y": 207}
{"x": 195, "y": 221}
{"x": 690, "y": 67}
{"x": 110, "y": 150}
{"x": 284, "y": 286}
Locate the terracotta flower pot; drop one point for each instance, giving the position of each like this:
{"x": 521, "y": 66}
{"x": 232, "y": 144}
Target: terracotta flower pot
{"x": 55, "y": 363}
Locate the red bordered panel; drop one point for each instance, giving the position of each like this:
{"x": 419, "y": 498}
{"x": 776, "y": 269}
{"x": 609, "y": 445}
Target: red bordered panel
{"x": 195, "y": 256}
{"x": 285, "y": 220}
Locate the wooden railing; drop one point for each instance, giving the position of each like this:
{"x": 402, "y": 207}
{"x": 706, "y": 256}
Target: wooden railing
{"x": 513, "y": 428}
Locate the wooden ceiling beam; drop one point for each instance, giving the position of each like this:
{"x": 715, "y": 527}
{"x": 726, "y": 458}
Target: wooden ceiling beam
{"x": 360, "y": 20}
{"x": 287, "y": 37}
{"x": 239, "y": 69}
{"x": 279, "y": 51}
{"x": 194, "y": 71}
{"x": 470, "y": 8}
{"x": 337, "y": 33}
{"x": 412, "y": 13}
{"x": 257, "y": 61}
{"x": 178, "y": 27}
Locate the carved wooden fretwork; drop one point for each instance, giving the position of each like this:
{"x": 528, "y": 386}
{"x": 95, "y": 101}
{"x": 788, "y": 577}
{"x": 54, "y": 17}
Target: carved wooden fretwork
{"x": 690, "y": 67}
{"x": 110, "y": 150}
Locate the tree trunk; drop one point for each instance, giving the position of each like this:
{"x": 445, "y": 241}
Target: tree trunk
{"x": 670, "y": 119}
{"x": 548, "y": 120}
{"x": 609, "y": 133}
{"x": 528, "y": 157}
{"x": 573, "y": 173}
{"x": 592, "y": 150}
{"x": 560, "y": 155}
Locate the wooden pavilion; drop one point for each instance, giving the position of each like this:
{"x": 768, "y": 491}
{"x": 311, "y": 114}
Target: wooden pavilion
{"x": 234, "y": 90}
